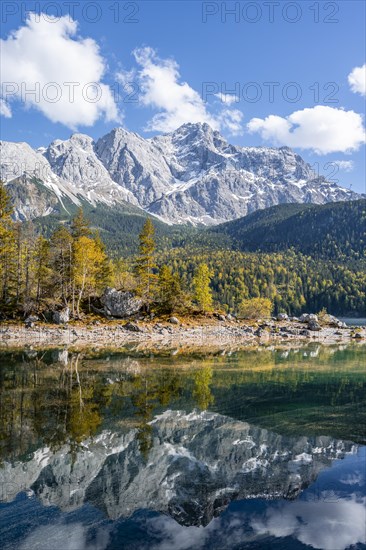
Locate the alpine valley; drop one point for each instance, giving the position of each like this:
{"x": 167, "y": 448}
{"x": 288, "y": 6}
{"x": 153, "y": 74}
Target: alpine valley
{"x": 190, "y": 176}
{"x": 260, "y": 220}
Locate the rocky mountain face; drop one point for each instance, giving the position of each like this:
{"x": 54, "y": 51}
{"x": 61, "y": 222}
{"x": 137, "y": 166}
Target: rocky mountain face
{"x": 36, "y": 190}
{"x": 75, "y": 161}
{"x": 192, "y": 175}
{"x": 196, "y": 465}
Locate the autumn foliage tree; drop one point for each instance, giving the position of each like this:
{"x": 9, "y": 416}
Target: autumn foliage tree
{"x": 202, "y": 290}
{"x": 88, "y": 265}
{"x": 255, "y": 308}
{"x": 122, "y": 276}
{"x": 170, "y": 296}
{"x": 37, "y": 273}
{"x": 7, "y": 246}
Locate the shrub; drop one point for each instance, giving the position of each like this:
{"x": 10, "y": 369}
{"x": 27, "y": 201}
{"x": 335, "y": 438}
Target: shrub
{"x": 255, "y": 308}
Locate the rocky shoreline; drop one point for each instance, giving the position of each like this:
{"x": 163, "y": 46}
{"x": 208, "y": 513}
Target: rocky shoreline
{"x": 214, "y": 331}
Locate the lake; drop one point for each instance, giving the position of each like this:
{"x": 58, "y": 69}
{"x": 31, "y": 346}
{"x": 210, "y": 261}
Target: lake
{"x": 354, "y": 321}
{"x": 125, "y": 449}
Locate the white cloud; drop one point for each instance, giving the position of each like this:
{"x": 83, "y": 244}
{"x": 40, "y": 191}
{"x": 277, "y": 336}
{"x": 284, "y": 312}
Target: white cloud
{"x": 325, "y": 525}
{"x": 46, "y": 55}
{"x": 160, "y": 88}
{"x": 177, "y": 102}
{"x": 231, "y": 120}
{"x": 345, "y": 165}
{"x": 322, "y": 129}
{"x": 176, "y": 536}
{"x": 228, "y": 99}
{"x": 4, "y": 109}
{"x": 355, "y": 478}
{"x": 322, "y": 524}
{"x": 357, "y": 80}
{"x": 62, "y": 536}
{"x": 126, "y": 77}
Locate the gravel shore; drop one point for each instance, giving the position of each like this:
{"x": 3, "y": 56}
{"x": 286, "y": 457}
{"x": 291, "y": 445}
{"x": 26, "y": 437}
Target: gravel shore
{"x": 152, "y": 334}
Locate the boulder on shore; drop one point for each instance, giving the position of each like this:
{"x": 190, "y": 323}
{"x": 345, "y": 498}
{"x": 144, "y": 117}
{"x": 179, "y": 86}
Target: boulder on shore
{"x": 314, "y": 325}
{"x": 29, "y": 321}
{"x": 119, "y": 303}
{"x": 306, "y": 317}
{"x": 173, "y": 320}
{"x": 133, "y": 327}
{"x": 334, "y": 322}
{"x": 61, "y": 317}
{"x": 282, "y": 317}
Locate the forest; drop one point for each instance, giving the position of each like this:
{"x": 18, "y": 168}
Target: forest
{"x": 186, "y": 270}
{"x": 335, "y": 230}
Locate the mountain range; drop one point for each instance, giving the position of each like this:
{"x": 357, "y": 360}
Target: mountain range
{"x": 190, "y": 176}
{"x": 198, "y": 463}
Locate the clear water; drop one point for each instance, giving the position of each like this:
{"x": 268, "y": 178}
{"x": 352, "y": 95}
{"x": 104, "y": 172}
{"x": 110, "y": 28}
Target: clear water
{"x": 354, "y": 321}
{"x": 257, "y": 449}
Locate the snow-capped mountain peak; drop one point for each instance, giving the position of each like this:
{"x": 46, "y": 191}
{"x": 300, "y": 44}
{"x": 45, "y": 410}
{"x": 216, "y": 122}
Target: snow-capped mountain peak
{"x": 190, "y": 175}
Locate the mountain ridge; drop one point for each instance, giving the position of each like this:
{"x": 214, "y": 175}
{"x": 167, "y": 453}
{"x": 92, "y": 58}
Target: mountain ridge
{"x": 331, "y": 230}
{"x": 189, "y": 176}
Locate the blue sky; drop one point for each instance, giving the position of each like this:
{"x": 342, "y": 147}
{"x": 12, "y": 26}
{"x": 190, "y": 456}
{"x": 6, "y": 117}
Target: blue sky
{"x": 160, "y": 64}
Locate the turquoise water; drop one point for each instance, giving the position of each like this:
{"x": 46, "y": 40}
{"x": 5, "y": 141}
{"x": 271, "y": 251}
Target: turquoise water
{"x": 263, "y": 448}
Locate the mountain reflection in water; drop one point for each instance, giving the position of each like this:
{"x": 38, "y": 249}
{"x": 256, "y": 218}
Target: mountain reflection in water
{"x": 120, "y": 451}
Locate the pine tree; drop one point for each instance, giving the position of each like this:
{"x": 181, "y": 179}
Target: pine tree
{"x": 42, "y": 268}
{"x": 202, "y": 290}
{"x": 80, "y": 226}
{"x": 104, "y": 273}
{"x": 28, "y": 240}
{"x": 61, "y": 263}
{"x": 145, "y": 265}
{"x": 170, "y": 291}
